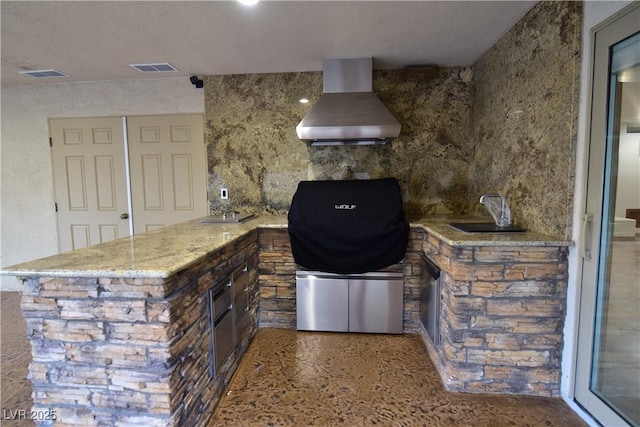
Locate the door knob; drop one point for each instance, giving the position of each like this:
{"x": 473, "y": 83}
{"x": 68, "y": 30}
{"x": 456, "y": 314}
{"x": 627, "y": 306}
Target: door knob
{"x": 124, "y": 216}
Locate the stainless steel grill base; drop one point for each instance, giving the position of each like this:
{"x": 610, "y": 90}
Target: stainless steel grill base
{"x": 368, "y": 302}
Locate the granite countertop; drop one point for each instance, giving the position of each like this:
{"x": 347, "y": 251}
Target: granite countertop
{"x": 438, "y": 225}
{"x": 161, "y": 253}
{"x": 155, "y": 254}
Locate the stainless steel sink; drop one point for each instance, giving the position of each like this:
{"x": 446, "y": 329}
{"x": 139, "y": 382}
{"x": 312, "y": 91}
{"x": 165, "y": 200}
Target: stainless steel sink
{"x": 485, "y": 227}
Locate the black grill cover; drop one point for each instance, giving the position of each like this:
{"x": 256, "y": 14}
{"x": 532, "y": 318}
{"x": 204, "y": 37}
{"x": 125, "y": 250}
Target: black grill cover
{"x": 348, "y": 226}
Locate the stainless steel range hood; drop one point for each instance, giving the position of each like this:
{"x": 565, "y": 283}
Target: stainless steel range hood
{"x": 348, "y": 112}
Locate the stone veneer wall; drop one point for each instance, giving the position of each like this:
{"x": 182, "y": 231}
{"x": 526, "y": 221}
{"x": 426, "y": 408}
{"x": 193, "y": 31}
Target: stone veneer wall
{"x": 502, "y": 317}
{"x": 502, "y": 310}
{"x": 525, "y": 115}
{"x": 253, "y": 148}
{"x": 131, "y": 351}
{"x": 277, "y": 278}
{"x": 110, "y": 351}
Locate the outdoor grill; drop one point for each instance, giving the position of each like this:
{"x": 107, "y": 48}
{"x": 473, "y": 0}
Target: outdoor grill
{"x": 342, "y": 234}
{"x": 348, "y": 226}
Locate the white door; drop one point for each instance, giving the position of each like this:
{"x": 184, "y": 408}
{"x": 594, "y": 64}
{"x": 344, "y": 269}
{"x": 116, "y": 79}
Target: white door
{"x": 89, "y": 180}
{"x": 608, "y": 358}
{"x": 168, "y": 167}
{"x": 165, "y": 175}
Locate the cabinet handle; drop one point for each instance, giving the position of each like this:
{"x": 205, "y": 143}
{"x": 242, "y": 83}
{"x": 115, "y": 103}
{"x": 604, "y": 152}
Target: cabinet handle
{"x": 587, "y": 235}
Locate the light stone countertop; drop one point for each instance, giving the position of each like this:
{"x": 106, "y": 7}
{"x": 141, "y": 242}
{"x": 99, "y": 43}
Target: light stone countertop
{"x": 161, "y": 253}
{"x": 438, "y": 225}
{"x": 155, "y": 254}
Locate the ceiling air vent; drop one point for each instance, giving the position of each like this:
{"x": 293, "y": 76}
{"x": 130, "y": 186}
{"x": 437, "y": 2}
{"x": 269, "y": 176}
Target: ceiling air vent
{"x": 40, "y": 74}
{"x": 633, "y": 129}
{"x": 162, "y": 67}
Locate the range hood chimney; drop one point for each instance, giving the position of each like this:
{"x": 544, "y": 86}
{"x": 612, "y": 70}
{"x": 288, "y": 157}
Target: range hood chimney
{"x": 348, "y": 112}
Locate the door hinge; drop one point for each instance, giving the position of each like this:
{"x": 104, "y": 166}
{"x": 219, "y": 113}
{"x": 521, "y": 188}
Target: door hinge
{"x": 56, "y": 206}
{"x": 50, "y": 142}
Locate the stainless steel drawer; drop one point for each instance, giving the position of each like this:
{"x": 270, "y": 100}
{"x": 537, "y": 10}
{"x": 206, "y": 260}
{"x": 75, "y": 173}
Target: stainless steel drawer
{"x": 221, "y": 300}
{"x": 223, "y": 338}
{"x": 221, "y": 321}
{"x": 242, "y": 324}
{"x": 241, "y": 302}
{"x": 240, "y": 279}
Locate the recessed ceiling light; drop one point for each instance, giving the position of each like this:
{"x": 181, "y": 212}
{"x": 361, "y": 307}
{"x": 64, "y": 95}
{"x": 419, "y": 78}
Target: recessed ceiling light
{"x": 162, "y": 67}
{"x": 39, "y": 74}
{"x": 249, "y": 2}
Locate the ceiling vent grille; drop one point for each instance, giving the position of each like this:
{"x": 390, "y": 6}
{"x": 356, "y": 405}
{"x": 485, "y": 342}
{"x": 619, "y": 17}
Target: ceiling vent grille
{"x": 163, "y": 67}
{"x": 40, "y": 74}
{"x": 633, "y": 129}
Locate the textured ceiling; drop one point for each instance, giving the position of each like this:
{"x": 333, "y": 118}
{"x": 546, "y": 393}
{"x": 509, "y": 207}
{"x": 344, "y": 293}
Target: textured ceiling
{"x": 97, "y": 40}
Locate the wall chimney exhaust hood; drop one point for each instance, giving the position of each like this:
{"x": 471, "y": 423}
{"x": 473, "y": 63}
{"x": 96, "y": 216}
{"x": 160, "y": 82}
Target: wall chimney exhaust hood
{"x": 348, "y": 112}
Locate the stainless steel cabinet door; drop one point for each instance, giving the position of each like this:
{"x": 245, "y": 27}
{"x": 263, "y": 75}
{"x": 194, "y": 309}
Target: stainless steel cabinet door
{"x": 322, "y": 303}
{"x": 375, "y": 306}
{"x": 223, "y": 338}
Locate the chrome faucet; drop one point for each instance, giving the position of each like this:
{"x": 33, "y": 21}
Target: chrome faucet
{"x": 498, "y": 207}
{"x": 228, "y": 212}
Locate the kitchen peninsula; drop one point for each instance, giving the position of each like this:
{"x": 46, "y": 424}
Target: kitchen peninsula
{"x": 120, "y": 332}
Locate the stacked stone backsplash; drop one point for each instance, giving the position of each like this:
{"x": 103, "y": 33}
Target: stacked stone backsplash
{"x": 511, "y": 130}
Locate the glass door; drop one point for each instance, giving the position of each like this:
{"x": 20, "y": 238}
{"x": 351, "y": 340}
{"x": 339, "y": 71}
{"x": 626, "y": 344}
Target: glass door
{"x": 608, "y": 360}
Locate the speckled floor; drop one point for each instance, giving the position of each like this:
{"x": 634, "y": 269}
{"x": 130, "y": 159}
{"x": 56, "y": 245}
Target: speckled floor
{"x": 290, "y": 378}
{"x": 15, "y": 356}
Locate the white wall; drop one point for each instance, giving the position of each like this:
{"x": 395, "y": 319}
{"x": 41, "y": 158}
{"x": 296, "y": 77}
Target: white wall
{"x": 595, "y": 12}
{"x": 27, "y": 216}
{"x": 628, "y": 189}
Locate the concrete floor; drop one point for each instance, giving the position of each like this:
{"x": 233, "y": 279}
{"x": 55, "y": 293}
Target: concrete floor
{"x": 290, "y": 378}
{"x": 15, "y": 356}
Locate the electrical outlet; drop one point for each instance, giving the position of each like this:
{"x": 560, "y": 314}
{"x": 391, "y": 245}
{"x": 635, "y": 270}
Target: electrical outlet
{"x": 224, "y": 193}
